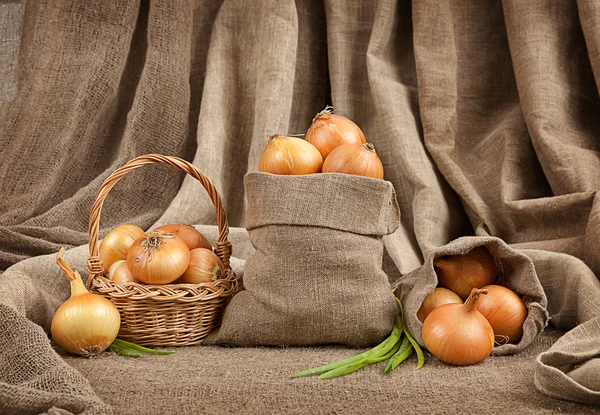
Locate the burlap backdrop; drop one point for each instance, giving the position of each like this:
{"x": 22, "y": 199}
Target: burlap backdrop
{"x": 484, "y": 114}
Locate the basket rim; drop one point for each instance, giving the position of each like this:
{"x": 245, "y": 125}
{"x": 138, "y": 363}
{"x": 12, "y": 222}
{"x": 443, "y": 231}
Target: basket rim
{"x": 222, "y": 287}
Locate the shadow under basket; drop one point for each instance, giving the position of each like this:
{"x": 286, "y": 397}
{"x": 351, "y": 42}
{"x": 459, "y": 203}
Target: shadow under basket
{"x": 170, "y": 314}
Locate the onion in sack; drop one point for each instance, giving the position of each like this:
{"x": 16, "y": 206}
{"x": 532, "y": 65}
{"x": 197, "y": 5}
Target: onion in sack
{"x": 462, "y": 273}
{"x": 116, "y": 243}
{"x": 357, "y": 159}
{"x": 505, "y": 311}
{"x": 457, "y": 333}
{"x": 290, "y": 156}
{"x": 158, "y": 257}
{"x": 438, "y": 297}
{"x": 329, "y": 131}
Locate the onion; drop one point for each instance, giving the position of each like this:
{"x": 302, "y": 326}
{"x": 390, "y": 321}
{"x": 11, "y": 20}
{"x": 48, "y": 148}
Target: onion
{"x": 116, "y": 243}
{"x": 204, "y": 266}
{"x": 290, "y": 156}
{"x": 457, "y": 333}
{"x": 329, "y": 131}
{"x": 158, "y": 257}
{"x": 505, "y": 311}
{"x": 191, "y": 236}
{"x": 357, "y": 159}
{"x": 462, "y": 273}
{"x": 120, "y": 273}
{"x": 86, "y": 324}
{"x": 436, "y": 298}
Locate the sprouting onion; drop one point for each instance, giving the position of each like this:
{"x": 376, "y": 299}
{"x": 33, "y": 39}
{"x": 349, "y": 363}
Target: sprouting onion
{"x": 397, "y": 347}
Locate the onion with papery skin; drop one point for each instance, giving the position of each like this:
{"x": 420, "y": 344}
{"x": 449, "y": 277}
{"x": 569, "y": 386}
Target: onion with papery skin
{"x": 462, "y": 273}
{"x": 205, "y": 266}
{"x": 290, "y": 156}
{"x": 438, "y": 297}
{"x": 119, "y": 273}
{"x": 357, "y": 159}
{"x": 116, "y": 243}
{"x": 158, "y": 258}
{"x": 86, "y": 324}
{"x": 457, "y": 333}
{"x": 329, "y": 131}
{"x": 505, "y": 311}
{"x": 191, "y": 236}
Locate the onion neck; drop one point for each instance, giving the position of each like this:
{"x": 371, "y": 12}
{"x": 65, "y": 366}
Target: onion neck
{"x": 77, "y": 287}
{"x": 470, "y": 304}
{"x": 369, "y": 147}
{"x": 326, "y": 113}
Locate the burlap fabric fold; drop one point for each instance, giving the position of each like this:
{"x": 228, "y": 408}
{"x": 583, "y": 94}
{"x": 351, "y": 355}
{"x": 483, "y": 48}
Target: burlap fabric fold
{"x": 516, "y": 271}
{"x": 315, "y": 277}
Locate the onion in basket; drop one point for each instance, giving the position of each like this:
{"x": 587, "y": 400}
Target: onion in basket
{"x": 158, "y": 257}
{"x": 116, "y": 243}
{"x": 204, "y": 266}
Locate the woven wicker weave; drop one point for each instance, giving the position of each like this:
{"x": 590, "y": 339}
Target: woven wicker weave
{"x": 171, "y": 314}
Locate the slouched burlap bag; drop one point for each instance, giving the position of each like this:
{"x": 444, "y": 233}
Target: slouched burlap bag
{"x": 315, "y": 277}
{"x": 516, "y": 272}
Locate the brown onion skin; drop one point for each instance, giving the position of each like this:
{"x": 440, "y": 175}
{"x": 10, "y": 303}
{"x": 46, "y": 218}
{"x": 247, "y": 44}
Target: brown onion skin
{"x": 458, "y": 334}
{"x": 164, "y": 262}
{"x": 356, "y": 159}
{"x": 204, "y": 266}
{"x": 505, "y": 311}
{"x": 290, "y": 156}
{"x": 119, "y": 273}
{"x": 462, "y": 273}
{"x": 191, "y": 236}
{"x": 329, "y": 131}
{"x": 438, "y": 297}
{"x": 116, "y": 243}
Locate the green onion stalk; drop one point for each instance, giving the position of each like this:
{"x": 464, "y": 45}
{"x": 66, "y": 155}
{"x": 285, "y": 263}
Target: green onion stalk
{"x": 126, "y": 348}
{"x": 396, "y": 348}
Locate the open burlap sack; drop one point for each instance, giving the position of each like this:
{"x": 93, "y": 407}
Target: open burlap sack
{"x": 516, "y": 271}
{"x": 315, "y": 277}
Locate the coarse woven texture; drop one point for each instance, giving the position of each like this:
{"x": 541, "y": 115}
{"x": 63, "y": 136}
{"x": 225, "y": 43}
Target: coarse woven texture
{"x": 315, "y": 276}
{"x": 484, "y": 114}
{"x": 516, "y": 272}
{"x": 214, "y": 380}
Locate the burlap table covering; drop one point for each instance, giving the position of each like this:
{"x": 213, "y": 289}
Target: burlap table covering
{"x": 483, "y": 113}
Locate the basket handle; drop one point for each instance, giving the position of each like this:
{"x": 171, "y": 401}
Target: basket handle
{"x": 223, "y": 246}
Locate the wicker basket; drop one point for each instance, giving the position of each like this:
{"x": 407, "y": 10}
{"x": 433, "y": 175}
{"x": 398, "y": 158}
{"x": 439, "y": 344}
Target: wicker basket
{"x": 171, "y": 314}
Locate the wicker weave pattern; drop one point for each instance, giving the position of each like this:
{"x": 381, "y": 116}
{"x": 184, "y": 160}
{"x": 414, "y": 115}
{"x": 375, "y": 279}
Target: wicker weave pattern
{"x": 172, "y": 314}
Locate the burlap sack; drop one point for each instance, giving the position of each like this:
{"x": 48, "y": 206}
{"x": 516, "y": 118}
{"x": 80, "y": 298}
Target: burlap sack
{"x": 516, "y": 269}
{"x": 315, "y": 277}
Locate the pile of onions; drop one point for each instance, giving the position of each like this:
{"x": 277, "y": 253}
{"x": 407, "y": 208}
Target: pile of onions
{"x": 173, "y": 253}
{"x": 332, "y": 144}
{"x": 459, "y": 333}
